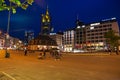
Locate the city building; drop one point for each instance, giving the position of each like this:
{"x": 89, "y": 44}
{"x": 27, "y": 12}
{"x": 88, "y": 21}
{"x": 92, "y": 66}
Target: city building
{"x": 91, "y": 36}
{"x": 46, "y": 23}
{"x": 80, "y": 35}
{"x": 44, "y": 40}
{"x": 9, "y": 42}
{"x": 58, "y": 38}
{"x": 68, "y": 40}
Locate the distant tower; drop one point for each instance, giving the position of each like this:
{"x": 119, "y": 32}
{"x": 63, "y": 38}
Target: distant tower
{"x": 46, "y": 23}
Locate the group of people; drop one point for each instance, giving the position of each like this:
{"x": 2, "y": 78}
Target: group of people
{"x": 114, "y": 50}
{"x": 42, "y": 55}
{"x": 53, "y": 53}
{"x": 56, "y": 54}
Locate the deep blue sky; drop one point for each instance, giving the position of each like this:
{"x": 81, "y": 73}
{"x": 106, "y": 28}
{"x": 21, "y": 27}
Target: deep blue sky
{"x": 63, "y": 13}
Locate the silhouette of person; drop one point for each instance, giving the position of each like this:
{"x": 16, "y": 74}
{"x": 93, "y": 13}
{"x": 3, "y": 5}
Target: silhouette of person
{"x": 25, "y": 52}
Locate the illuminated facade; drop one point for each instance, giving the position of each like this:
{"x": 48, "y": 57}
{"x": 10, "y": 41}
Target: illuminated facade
{"x": 2, "y": 41}
{"x": 10, "y": 43}
{"x": 58, "y": 38}
{"x": 80, "y": 34}
{"x": 46, "y": 23}
{"x": 68, "y": 40}
{"x": 42, "y": 42}
{"x": 91, "y": 36}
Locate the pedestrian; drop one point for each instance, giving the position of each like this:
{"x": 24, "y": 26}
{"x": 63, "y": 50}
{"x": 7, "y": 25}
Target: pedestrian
{"x": 109, "y": 50}
{"x": 51, "y": 52}
{"x": 25, "y": 51}
{"x": 40, "y": 56}
{"x": 57, "y": 55}
{"x": 116, "y": 50}
{"x": 44, "y": 53}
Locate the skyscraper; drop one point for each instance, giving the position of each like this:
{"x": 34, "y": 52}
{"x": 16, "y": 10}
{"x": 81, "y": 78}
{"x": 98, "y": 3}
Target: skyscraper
{"x": 46, "y": 23}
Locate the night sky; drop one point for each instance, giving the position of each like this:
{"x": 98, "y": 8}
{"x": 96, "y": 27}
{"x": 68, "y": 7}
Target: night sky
{"x": 63, "y": 13}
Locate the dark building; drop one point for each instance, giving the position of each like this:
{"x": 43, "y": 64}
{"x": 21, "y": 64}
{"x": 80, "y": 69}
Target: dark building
{"x": 80, "y": 33}
{"x": 42, "y": 42}
{"x": 46, "y": 23}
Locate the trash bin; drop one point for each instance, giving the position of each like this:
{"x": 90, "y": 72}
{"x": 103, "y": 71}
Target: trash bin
{"x": 7, "y": 55}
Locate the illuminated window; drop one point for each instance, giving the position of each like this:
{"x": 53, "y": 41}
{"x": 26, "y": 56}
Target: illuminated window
{"x": 91, "y": 28}
{"x": 43, "y": 20}
{"x": 78, "y": 26}
{"x": 45, "y": 27}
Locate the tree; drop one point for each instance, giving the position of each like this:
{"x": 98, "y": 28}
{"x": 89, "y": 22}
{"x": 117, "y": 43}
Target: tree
{"x": 13, "y": 4}
{"x": 112, "y": 39}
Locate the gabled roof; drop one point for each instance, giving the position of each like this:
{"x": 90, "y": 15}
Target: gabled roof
{"x": 43, "y": 40}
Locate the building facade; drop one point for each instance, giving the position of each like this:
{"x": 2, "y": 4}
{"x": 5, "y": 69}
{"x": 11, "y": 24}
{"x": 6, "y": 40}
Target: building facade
{"x": 91, "y": 36}
{"x": 80, "y": 35}
{"x": 9, "y": 42}
{"x": 68, "y": 40}
{"x": 58, "y": 37}
{"x": 42, "y": 42}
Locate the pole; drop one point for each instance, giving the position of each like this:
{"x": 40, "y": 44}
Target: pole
{"x": 7, "y": 55}
{"x": 8, "y": 26}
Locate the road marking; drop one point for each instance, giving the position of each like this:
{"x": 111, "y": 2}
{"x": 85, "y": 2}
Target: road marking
{"x": 9, "y": 76}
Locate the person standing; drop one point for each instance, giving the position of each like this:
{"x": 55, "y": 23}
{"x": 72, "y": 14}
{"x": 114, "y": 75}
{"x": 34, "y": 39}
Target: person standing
{"x": 25, "y": 52}
{"x": 44, "y": 53}
{"x": 116, "y": 50}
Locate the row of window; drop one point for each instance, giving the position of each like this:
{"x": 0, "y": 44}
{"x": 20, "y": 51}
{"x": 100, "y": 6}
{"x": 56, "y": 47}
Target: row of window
{"x": 97, "y": 37}
{"x": 92, "y": 41}
{"x": 96, "y": 30}
{"x": 102, "y": 26}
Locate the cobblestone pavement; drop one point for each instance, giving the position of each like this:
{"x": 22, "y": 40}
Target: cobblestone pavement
{"x": 70, "y": 67}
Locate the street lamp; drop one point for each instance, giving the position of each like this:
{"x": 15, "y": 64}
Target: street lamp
{"x": 7, "y": 43}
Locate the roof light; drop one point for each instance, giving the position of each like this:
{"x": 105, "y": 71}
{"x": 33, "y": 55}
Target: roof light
{"x": 94, "y": 24}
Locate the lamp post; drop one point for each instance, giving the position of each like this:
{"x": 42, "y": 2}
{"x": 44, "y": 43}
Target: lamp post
{"x": 8, "y": 25}
{"x": 7, "y": 43}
